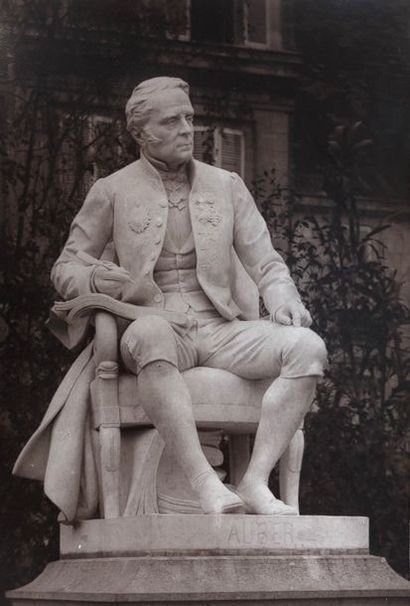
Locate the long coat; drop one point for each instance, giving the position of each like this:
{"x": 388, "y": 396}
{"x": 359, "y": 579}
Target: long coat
{"x": 126, "y": 212}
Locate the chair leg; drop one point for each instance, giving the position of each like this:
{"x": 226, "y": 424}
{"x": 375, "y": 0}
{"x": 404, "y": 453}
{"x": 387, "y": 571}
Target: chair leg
{"x": 289, "y": 469}
{"x": 104, "y": 396}
{"x": 110, "y": 445}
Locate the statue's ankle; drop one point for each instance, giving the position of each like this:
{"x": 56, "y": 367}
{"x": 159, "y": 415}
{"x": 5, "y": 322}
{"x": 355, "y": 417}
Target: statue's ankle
{"x": 204, "y": 477}
{"x": 251, "y": 480}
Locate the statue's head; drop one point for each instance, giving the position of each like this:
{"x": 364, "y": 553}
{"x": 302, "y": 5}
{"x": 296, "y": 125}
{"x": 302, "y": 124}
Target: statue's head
{"x": 160, "y": 118}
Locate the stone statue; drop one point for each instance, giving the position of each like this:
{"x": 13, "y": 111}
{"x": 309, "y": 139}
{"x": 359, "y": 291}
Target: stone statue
{"x": 187, "y": 237}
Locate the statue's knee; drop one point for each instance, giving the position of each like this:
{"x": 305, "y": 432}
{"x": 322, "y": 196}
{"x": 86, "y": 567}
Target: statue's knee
{"x": 145, "y": 333}
{"x": 311, "y": 345}
{"x": 306, "y": 348}
{"x": 159, "y": 369}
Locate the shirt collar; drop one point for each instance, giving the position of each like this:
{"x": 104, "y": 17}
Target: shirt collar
{"x": 161, "y": 165}
{"x": 162, "y": 168}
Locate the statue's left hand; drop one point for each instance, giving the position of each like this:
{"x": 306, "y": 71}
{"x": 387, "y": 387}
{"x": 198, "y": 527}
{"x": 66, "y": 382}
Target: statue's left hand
{"x": 293, "y": 313}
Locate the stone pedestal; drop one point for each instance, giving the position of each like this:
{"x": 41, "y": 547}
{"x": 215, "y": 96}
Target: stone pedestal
{"x": 216, "y": 560}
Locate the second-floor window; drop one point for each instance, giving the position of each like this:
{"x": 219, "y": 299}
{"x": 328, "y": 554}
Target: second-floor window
{"x": 230, "y": 21}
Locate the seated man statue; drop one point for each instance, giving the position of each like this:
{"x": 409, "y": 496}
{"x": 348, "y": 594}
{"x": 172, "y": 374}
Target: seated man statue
{"x": 187, "y": 238}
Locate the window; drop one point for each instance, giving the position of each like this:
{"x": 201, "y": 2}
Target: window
{"x": 255, "y": 23}
{"x": 105, "y": 149}
{"x": 99, "y": 131}
{"x": 71, "y": 160}
{"x": 256, "y": 19}
{"x": 90, "y": 148}
{"x": 178, "y": 19}
{"x": 213, "y": 21}
{"x": 371, "y": 248}
{"x": 223, "y": 147}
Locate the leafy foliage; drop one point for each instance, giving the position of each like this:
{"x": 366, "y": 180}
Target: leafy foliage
{"x": 357, "y": 435}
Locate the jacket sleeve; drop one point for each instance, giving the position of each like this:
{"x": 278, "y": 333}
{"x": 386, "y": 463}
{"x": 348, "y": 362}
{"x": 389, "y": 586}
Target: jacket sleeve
{"x": 90, "y": 232}
{"x": 253, "y": 245}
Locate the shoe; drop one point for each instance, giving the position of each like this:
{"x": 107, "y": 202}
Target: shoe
{"x": 263, "y": 502}
{"x": 229, "y": 504}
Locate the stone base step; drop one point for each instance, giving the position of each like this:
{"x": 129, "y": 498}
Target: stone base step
{"x": 217, "y": 581}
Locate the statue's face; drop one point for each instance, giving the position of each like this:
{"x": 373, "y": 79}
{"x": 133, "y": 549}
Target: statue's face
{"x": 169, "y": 131}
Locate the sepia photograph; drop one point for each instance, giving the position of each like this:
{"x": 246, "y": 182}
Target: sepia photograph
{"x": 205, "y": 302}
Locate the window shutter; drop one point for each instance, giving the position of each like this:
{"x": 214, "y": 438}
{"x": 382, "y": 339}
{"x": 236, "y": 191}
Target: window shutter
{"x": 231, "y": 150}
{"x": 223, "y": 147}
{"x": 256, "y": 22}
{"x": 204, "y": 144}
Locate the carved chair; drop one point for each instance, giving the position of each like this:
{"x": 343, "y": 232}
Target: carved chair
{"x": 224, "y": 405}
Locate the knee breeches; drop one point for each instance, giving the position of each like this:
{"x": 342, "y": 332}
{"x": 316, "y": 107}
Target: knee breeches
{"x": 250, "y": 349}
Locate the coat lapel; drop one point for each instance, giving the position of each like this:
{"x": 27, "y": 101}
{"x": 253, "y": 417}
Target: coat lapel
{"x": 145, "y": 219}
{"x": 207, "y": 222}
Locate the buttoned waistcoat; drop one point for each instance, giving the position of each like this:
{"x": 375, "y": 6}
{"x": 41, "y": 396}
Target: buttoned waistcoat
{"x": 127, "y": 212}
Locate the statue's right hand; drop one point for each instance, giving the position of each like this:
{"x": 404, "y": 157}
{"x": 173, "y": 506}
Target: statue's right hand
{"x": 111, "y": 280}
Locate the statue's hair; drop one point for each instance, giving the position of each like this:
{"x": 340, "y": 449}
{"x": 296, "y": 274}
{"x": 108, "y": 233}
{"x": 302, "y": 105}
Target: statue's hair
{"x": 138, "y": 105}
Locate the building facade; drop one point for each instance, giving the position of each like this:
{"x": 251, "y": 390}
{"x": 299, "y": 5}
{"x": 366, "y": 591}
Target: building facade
{"x": 78, "y": 61}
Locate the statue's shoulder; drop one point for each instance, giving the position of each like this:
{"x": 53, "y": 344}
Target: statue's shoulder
{"x": 131, "y": 171}
{"x": 205, "y": 171}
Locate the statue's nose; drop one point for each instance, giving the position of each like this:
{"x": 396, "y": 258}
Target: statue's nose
{"x": 185, "y": 126}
